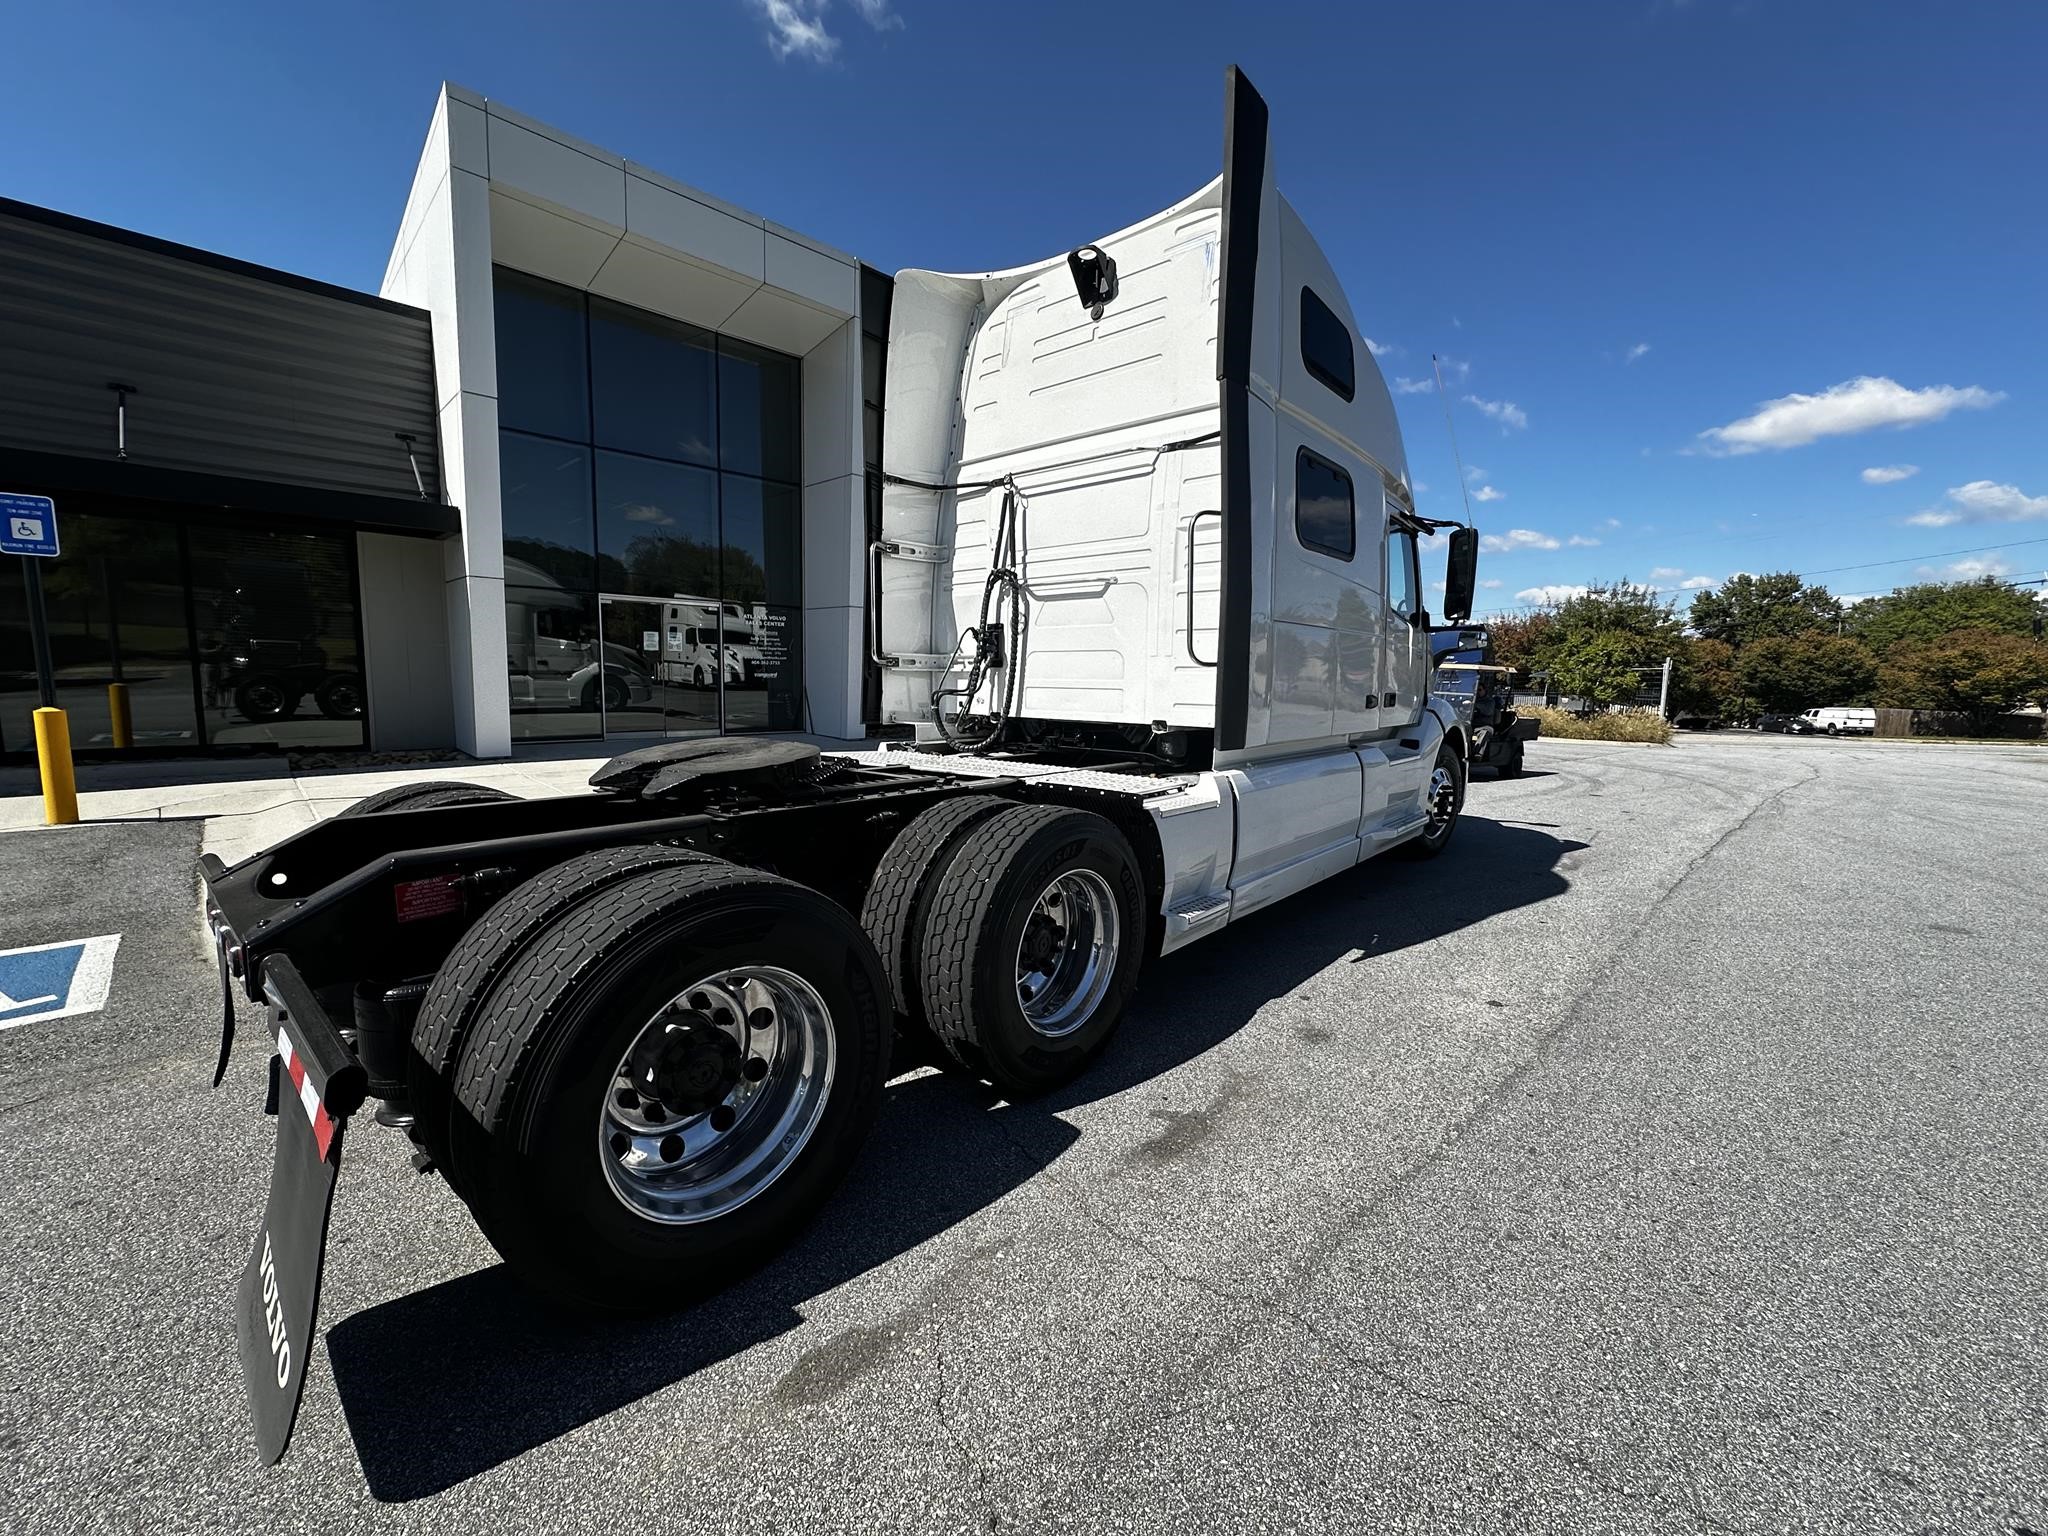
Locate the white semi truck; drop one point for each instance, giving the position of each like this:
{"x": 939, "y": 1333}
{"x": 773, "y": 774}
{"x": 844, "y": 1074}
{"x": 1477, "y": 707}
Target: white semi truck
{"x": 1148, "y": 612}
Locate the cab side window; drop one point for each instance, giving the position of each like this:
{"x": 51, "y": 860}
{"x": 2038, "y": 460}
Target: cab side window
{"x": 1323, "y": 519}
{"x": 1404, "y": 590}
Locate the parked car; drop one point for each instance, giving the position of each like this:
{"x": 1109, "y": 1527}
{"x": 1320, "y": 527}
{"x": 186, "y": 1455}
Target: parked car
{"x": 1837, "y": 720}
{"x": 1781, "y": 723}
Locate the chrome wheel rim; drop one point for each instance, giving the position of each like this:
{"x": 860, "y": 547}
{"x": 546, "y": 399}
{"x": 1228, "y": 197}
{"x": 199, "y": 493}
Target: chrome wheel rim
{"x": 717, "y": 1094}
{"x": 1068, "y": 951}
{"x": 1443, "y": 803}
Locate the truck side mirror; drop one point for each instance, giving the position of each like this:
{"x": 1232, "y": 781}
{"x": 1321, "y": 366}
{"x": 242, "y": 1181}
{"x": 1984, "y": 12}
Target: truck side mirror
{"x": 1461, "y": 574}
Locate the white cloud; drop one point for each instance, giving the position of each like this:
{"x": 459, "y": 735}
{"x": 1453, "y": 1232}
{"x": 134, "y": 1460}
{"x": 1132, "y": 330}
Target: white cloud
{"x": 1456, "y": 369}
{"x": 1506, "y": 412}
{"x": 1517, "y": 538}
{"x": 1413, "y": 386}
{"x": 1436, "y": 540}
{"x": 1491, "y": 582}
{"x": 1488, "y": 493}
{"x": 876, "y": 13}
{"x": 1543, "y": 597}
{"x": 1666, "y": 572}
{"x": 1582, "y": 541}
{"x": 1889, "y": 474}
{"x": 1858, "y": 405}
{"x": 1380, "y": 348}
{"x": 1982, "y": 501}
{"x": 1614, "y": 522}
{"x": 1636, "y": 351}
{"x": 1966, "y": 570}
{"x": 796, "y": 28}
{"x": 1418, "y": 488}
{"x": 1696, "y": 584}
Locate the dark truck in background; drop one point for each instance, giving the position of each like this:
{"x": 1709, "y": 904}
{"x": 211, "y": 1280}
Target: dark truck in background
{"x": 1466, "y": 677}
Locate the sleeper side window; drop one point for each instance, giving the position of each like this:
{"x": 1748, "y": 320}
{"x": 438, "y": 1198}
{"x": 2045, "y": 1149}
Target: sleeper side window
{"x": 1326, "y": 345}
{"x": 1323, "y": 518}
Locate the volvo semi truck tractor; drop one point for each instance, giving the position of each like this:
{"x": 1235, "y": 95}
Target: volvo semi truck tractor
{"x": 1148, "y": 615}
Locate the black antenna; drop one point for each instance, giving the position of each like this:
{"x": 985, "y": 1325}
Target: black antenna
{"x": 1463, "y": 490}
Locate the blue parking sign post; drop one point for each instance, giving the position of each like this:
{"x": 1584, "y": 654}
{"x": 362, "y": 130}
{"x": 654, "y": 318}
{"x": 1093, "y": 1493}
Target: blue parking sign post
{"x": 28, "y": 527}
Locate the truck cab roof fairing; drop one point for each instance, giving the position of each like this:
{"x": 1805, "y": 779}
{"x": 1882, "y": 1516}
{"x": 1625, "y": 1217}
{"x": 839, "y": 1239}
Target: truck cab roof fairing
{"x": 1247, "y": 185}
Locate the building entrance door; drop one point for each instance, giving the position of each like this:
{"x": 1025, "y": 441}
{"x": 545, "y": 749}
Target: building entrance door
{"x": 645, "y": 690}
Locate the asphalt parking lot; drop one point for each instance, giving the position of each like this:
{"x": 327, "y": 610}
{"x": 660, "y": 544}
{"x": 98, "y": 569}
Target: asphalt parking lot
{"x": 1667, "y": 1156}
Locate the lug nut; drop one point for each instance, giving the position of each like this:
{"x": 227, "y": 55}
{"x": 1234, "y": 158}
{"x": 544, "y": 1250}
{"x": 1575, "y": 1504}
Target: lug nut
{"x": 760, "y": 1018}
{"x": 722, "y": 1118}
{"x": 757, "y": 1068}
{"x": 650, "y": 1109}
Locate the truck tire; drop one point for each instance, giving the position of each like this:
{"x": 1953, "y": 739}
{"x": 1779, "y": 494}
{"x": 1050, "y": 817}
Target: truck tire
{"x": 1031, "y": 945}
{"x": 425, "y": 796}
{"x": 1511, "y": 766}
{"x": 265, "y": 696}
{"x": 900, "y": 895}
{"x": 744, "y": 1016}
{"x": 340, "y": 696}
{"x": 1446, "y": 799}
{"x": 467, "y": 980}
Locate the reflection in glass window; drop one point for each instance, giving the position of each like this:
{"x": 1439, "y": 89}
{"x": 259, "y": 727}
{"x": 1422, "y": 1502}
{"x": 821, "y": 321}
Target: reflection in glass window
{"x": 543, "y": 375}
{"x": 551, "y": 657}
{"x": 764, "y": 686}
{"x": 653, "y": 383}
{"x": 1326, "y": 345}
{"x": 763, "y": 560}
{"x": 277, "y": 626}
{"x": 545, "y": 487}
{"x": 657, "y": 526}
{"x": 1404, "y": 593}
{"x": 757, "y": 410}
{"x": 1322, "y": 506}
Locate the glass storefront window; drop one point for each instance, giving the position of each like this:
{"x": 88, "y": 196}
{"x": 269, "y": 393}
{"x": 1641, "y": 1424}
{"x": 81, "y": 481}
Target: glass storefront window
{"x": 545, "y": 491}
{"x": 652, "y": 521}
{"x": 762, "y": 562}
{"x": 543, "y": 367}
{"x": 277, "y": 626}
{"x": 115, "y": 601}
{"x": 654, "y": 385}
{"x": 757, "y": 410}
{"x": 657, "y": 526}
{"x": 551, "y": 661}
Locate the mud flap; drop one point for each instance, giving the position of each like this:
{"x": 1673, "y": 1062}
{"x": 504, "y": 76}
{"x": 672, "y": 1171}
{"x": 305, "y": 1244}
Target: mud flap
{"x": 280, "y": 1290}
{"x": 318, "y": 1083}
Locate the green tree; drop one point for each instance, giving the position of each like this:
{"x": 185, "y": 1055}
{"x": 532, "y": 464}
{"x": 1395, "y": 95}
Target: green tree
{"x": 1977, "y": 672}
{"x": 1790, "y": 673}
{"x": 1703, "y": 682}
{"x": 1748, "y": 608}
{"x": 1929, "y": 611}
{"x": 1597, "y": 666}
{"x": 1645, "y": 627}
{"x": 1516, "y": 637}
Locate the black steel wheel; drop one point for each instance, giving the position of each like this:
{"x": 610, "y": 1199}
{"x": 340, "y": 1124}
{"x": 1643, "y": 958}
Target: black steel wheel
{"x": 1032, "y": 943}
{"x": 667, "y": 1082}
{"x": 426, "y": 795}
{"x": 265, "y": 696}
{"x": 340, "y": 696}
{"x": 1443, "y": 799}
{"x": 1512, "y": 768}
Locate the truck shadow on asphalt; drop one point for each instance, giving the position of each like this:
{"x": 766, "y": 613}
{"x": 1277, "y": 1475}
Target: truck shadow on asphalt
{"x": 444, "y": 1384}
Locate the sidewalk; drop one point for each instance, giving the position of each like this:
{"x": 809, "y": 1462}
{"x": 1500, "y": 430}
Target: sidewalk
{"x": 249, "y": 804}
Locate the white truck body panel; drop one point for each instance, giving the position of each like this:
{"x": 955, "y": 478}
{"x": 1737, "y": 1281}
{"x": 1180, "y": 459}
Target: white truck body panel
{"x": 1114, "y": 428}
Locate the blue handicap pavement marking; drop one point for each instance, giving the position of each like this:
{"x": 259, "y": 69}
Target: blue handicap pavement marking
{"x": 54, "y": 981}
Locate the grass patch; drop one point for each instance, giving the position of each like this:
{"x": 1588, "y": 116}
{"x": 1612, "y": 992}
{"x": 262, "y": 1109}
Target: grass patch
{"x": 1569, "y": 727}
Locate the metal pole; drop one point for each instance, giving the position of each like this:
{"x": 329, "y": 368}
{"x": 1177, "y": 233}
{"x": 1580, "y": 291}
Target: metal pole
{"x": 1664, "y": 690}
{"x": 39, "y": 630}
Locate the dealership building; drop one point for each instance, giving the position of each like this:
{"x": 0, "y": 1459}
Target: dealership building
{"x": 597, "y": 461}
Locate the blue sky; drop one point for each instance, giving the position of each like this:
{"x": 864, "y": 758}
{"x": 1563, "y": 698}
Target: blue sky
{"x": 1627, "y": 224}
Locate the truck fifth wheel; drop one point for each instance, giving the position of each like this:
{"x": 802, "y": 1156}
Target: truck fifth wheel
{"x": 1146, "y": 607}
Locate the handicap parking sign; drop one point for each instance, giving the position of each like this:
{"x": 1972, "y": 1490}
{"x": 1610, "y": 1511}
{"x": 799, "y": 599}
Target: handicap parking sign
{"x": 28, "y": 525}
{"x": 53, "y": 981}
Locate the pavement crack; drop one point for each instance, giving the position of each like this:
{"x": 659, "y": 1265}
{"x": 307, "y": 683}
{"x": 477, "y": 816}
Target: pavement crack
{"x": 977, "y": 1474}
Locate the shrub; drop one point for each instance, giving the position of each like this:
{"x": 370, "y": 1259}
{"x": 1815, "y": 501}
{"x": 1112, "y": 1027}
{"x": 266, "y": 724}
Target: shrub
{"x": 1570, "y": 727}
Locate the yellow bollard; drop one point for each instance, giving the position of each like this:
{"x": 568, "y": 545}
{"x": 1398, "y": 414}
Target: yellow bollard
{"x": 53, "y": 752}
{"x": 122, "y": 721}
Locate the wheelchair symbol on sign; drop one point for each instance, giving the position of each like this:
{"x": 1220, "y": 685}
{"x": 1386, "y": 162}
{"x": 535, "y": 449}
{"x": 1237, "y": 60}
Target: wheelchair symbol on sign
{"x": 27, "y": 529}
